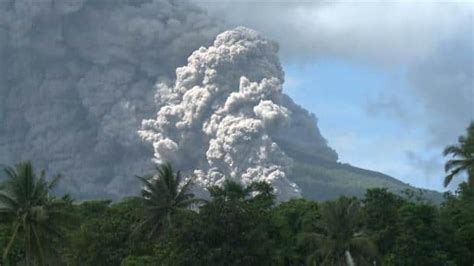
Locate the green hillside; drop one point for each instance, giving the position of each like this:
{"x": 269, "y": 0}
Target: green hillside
{"x": 321, "y": 179}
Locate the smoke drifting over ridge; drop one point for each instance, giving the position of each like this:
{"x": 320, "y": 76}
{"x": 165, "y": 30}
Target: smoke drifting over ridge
{"x": 76, "y": 80}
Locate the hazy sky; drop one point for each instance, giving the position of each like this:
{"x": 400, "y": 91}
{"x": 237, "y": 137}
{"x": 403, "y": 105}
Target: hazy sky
{"x": 390, "y": 81}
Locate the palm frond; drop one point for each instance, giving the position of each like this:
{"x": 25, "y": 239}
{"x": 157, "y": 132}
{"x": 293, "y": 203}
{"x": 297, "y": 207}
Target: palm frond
{"x": 146, "y": 181}
{"x": 183, "y": 192}
{"x": 8, "y": 201}
{"x": 455, "y": 163}
{"x": 455, "y": 150}
{"x": 39, "y": 190}
{"x": 10, "y": 172}
{"x": 449, "y": 177}
{"x": 54, "y": 182}
{"x": 177, "y": 181}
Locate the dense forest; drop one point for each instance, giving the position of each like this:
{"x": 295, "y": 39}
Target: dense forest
{"x": 236, "y": 225}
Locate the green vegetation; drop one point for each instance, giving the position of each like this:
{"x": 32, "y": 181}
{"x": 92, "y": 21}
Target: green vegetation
{"x": 237, "y": 225}
{"x": 341, "y": 241}
{"x": 464, "y": 157}
{"x": 162, "y": 198}
{"x": 34, "y": 214}
{"x": 243, "y": 226}
{"x": 325, "y": 180}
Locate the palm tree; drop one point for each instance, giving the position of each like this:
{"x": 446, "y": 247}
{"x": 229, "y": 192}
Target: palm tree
{"x": 163, "y": 195}
{"x": 230, "y": 191}
{"x": 338, "y": 242}
{"x": 259, "y": 193}
{"x": 26, "y": 198}
{"x": 463, "y": 152}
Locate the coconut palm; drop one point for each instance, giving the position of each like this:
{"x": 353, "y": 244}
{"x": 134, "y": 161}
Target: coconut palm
{"x": 258, "y": 193}
{"x": 25, "y": 198}
{"x": 163, "y": 195}
{"x": 463, "y": 158}
{"x": 230, "y": 191}
{"x": 339, "y": 242}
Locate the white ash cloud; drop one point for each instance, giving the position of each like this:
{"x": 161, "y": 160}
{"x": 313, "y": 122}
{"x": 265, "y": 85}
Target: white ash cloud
{"x": 219, "y": 118}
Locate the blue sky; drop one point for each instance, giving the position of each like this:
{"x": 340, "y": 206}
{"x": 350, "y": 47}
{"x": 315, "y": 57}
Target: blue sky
{"x": 340, "y": 94}
{"x": 390, "y": 81}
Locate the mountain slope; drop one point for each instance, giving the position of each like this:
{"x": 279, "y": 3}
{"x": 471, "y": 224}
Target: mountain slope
{"x": 321, "y": 179}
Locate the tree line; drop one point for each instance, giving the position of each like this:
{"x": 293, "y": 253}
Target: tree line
{"x": 236, "y": 225}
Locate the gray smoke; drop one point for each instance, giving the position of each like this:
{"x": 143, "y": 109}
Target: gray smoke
{"x": 77, "y": 78}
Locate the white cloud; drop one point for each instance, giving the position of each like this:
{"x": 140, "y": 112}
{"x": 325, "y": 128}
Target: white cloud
{"x": 380, "y": 31}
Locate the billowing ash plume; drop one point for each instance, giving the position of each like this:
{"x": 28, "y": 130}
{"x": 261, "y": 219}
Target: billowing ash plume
{"x": 221, "y": 116}
{"x": 77, "y": 78}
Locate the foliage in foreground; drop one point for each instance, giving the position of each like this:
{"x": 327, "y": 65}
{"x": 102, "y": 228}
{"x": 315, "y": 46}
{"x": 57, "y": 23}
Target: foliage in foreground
{"x": 35, "y": 216}
{"x": 243, "y": 226}
{"x": 463, "y": 157}
{"x": 237, "y": 226}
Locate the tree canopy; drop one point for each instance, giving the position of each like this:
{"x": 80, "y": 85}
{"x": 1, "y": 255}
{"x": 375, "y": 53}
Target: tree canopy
{"x": 236, "y": 225}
